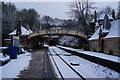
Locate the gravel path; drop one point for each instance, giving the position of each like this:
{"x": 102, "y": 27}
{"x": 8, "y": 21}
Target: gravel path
{"x": 39, "y": 66}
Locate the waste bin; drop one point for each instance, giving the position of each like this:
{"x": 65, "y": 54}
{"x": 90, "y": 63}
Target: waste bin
{"x": 13, "y": 51}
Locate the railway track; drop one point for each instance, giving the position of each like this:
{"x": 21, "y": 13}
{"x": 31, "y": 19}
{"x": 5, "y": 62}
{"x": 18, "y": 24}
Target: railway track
{"x": 101, "y": 61}
{"x": 75, "y": 71}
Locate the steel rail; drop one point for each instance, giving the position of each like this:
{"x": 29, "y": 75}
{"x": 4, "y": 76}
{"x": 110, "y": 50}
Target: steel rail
{"x": 69, "y": 65}
{"x": 56, "y": 65}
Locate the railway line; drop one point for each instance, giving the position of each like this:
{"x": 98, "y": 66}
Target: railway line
{"x": 55, "y": 55}
{"x": 115, "y": 65}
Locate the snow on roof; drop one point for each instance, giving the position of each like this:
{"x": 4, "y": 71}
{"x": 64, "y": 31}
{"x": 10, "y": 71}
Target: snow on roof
{"x": 30, "y": 31}
{"x": 23, "y": 30}
{"x": 93, "y": 21}
{"x": 101, "y": 17}
{"x": 96, "y": 24}
{"x": 95, "y": 35}
{"x": 114, "y": 30}
{"x": 105, "y": 31}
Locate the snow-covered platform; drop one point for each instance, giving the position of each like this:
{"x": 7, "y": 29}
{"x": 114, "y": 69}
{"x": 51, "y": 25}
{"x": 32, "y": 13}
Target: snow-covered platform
{"x": 66, "y": 65}
{"x": 110, "y": 61}
{"x": 3, "y": 59}
{"x": 96, "y": 54}
{"x": 14, "y": 67}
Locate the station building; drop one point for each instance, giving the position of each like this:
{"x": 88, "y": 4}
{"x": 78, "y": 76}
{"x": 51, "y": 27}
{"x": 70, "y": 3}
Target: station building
{"x": 22, "y": 38}
{"x": 112, "y": 40}
{"x": 106, "y": 37}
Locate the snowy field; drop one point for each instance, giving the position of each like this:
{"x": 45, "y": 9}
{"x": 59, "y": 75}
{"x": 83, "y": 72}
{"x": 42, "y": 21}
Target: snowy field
{"x": 86, "y": 68}
{"x": 13, "y": 68}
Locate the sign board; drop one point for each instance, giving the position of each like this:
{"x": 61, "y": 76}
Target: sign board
{"x": 16, "y": 41}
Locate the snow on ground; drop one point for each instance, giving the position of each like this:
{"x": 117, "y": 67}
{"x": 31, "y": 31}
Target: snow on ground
{"x": 64, "y": 69}
{"x": 85, "y": 68}
{"x": 3, "y": 47}
{"x": 59, "y": 51}
{"x": 4, "y": 58}
{"x": 96, "y": 54}
{"x": 13, "y": 68}
{"x": 57, "y": 72}
{"x": 89, "y": 69}
{"x": 69, "y": 41}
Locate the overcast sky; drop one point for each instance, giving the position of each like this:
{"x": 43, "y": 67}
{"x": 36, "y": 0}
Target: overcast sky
{"x": 57, "y": 9}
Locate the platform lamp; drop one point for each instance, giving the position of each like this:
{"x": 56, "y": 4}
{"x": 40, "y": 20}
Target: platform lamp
{"x": 18, "y": 23}
{"x": 16, "y": 37}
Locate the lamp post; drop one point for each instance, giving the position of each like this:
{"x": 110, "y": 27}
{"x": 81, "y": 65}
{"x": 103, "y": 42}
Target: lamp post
{"x": 18, "y": 32}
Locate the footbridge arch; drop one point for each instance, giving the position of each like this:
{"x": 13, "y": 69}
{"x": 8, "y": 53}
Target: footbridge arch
{"x": 57, "y": 32}
{"x": 37, "y": 38}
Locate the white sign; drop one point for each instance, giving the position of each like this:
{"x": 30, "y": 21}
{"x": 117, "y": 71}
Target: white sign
{"x": 16, "y": 41}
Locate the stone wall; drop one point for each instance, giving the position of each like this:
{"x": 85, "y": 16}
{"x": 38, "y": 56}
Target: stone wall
{"x": 0, "y": 25}
{"x": 112, "y": 46}
{"x": 94, "y": 45}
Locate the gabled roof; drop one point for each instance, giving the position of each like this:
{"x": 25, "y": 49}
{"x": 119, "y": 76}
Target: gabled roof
{"x": 24, "y": 31}
{"x": 101, "y": 17}
{"x": 95, "y": 35}
{"x": 93, "y": 21}
{"x": 106, "y": 22}
{"x": 114, "y": 30}
{"x": 96, "y": 24}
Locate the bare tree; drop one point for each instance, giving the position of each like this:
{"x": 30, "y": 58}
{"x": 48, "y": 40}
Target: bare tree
{"x": 81, "y": 11}
{"x": 107, "y": 9}
{"x": 46, "y": 20}
{"x": 29, "y": 17}
{"x": 118, "y": 14}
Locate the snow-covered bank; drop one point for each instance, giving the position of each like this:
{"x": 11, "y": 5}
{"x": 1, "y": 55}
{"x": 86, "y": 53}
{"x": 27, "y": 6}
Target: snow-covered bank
{"x": 96, "y": 54}
{"x": 13, "y": 68}
{"x": 69, "y": 41}
{"x": 4, "y": 58}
